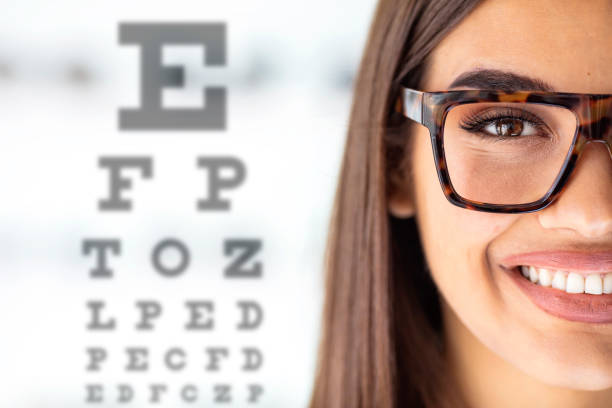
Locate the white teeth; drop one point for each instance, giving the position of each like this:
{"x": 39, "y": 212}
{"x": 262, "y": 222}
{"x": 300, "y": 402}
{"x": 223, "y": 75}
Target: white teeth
{"x": 607, "y": 283}
{"x": 558, "y": 281}
{"x": 525, "y": 271}
{"x": 545, "y": 277}
{"x": 575, "y": 283}
{"x": 533, "y": 274}
{"x": 593, "y": 285}
{"x": 570, "y": 282}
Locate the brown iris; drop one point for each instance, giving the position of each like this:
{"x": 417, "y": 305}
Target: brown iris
{"x": 509, "y": 127}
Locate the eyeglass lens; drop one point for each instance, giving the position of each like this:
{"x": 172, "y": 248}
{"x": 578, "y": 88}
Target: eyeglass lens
{"x": 506, "y": 153}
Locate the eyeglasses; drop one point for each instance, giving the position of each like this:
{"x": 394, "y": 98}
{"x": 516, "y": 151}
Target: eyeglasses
{"x": 507, "y": 152}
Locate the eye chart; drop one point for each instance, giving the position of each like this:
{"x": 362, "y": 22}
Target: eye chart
{"x": 168, "y": 171}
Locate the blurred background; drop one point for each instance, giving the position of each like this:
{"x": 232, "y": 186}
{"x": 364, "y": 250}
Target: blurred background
{"x": 63, "y": 79}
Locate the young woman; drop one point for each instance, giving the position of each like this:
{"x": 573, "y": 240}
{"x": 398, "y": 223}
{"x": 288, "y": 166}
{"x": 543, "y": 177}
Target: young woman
{"x": 478, "y": 275}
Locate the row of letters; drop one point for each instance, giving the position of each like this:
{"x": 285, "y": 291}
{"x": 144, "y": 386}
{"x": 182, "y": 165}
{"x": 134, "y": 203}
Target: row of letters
{"x": 174, "y": 359}
{"x": 200, "y": 315}
{"x": 241, "y": 251}
{"x": 160, "y": 393}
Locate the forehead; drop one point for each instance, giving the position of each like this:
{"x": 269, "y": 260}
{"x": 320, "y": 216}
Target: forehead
{"x": 566, "y": 43}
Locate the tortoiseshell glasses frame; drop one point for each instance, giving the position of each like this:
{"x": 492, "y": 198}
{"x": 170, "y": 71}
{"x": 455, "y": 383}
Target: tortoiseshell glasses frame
{"x": 593, "y": 114}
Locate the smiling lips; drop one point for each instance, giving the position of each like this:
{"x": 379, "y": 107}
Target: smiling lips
{"x": 572, "y": 285}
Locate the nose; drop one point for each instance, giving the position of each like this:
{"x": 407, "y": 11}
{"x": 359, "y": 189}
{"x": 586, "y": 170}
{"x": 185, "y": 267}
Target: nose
{"x": 585, "y": 205}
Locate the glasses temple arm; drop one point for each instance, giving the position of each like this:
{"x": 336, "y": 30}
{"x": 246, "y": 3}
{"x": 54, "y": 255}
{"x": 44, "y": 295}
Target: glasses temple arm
{"x": 412, "y": 101}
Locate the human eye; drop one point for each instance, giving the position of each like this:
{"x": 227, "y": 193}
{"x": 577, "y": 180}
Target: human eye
{"x": 505, "y": 123}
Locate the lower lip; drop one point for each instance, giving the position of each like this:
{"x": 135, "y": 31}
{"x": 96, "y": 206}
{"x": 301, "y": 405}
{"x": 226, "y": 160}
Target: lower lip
{"x": 577, "y": 307}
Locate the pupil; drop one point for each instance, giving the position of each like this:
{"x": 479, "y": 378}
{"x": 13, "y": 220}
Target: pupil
{"x": 509, "y": 127}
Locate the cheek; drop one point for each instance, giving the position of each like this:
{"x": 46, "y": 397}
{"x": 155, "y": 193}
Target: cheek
{"x": 451, "y": 234}
{"x": 455, "y": 240}
{"x": 458, "y": 245}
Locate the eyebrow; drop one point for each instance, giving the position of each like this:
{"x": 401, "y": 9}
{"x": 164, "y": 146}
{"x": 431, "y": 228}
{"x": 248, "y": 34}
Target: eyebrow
{"x": 506, "y": 81}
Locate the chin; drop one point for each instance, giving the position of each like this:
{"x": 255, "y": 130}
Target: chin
{"x": 587, "y": 370}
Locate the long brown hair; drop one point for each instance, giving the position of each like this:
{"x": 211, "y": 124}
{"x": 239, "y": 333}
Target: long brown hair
{"x": 381, "y": 343}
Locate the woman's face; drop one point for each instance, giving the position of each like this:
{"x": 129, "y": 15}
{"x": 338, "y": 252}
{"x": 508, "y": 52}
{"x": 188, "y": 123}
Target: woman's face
{"x": 560, "y": 338}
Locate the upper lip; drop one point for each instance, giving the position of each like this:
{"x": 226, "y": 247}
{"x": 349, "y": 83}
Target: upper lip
{"x": 571, "y": 261}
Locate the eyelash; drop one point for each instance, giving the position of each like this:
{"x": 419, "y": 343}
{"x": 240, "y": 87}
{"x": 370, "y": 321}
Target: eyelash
{"x": 477, "y": 121}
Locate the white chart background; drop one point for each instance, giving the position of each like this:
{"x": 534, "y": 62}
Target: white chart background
{"x": 63, "y": 78}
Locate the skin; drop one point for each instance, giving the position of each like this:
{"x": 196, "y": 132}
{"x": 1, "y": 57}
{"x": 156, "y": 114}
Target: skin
{"x": 502, "y": 348}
